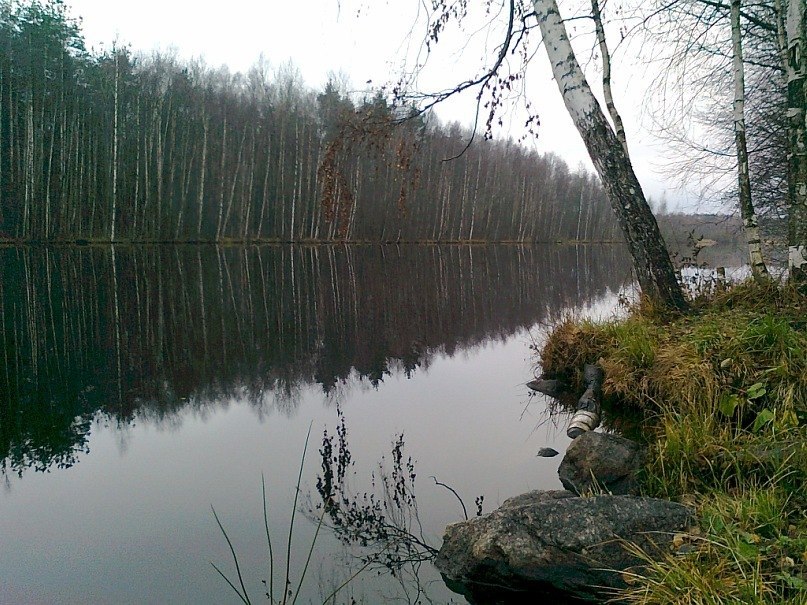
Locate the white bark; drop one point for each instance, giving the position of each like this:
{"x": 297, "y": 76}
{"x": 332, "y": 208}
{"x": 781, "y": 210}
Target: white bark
{"x": 577, "y": 95}
{"x": 115, "y": 157}
{"x": 797, "y": 258}
{"x": 202, "y": 172}
{"x": 222, "y": 177}
{"x": 796, "y": 30}
{"x": 619, "y": 128}
{"x": 794, "y": 22}
{"x": 781, "y": 34}
{"x": 750, "y": 223}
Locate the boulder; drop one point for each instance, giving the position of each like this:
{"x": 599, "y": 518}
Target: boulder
{"x": 547, "y": 386}
{"x": 599, "y": 462}
{"x": 554, "y": 544}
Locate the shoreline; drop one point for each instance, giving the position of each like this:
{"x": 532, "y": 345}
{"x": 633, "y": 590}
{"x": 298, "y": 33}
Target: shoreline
{"x": 722, "y": 396}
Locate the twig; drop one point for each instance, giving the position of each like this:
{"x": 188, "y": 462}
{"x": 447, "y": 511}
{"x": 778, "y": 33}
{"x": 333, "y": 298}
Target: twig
{"x": 453, "y": 491}
{"x": 346, "y": 582}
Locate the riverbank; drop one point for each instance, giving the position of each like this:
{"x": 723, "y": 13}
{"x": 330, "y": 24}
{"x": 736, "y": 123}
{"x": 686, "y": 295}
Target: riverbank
{"x": 722, "y": 397}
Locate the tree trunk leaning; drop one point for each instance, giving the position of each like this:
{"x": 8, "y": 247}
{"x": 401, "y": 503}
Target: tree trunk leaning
{"x": 651, "y": 260}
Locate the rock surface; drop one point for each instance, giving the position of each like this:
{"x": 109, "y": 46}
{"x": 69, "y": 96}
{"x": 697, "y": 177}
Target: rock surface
{"x": 547, "y": 386}
{"x": 547, "y": 452}
{"x": 598, "y": 462}
{"x": 554, "y": 544}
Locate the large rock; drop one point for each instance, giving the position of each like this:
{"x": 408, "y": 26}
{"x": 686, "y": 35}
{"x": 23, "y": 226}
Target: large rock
{"x": 548, "y": 386}
{"x": 598, "y": 462}
{"x": 554, "y": 544}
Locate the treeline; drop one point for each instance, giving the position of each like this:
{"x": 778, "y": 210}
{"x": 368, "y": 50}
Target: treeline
{"x": 92, "y": 330}
{"x": 116, "y": 147}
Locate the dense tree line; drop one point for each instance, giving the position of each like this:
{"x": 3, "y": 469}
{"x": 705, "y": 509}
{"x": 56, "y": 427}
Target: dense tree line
{"x": 111, "y": 146}
{"x": 91, "y": 330}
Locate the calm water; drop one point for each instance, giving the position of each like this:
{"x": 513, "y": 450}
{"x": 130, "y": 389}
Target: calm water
{"x": 140, "y": 386}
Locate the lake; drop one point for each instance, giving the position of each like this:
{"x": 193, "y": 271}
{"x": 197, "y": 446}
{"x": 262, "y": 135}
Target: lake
{"x": 142, "y": 386}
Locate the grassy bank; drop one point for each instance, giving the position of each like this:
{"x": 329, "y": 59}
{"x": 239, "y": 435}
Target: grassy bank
{"x": 722, "y": 394}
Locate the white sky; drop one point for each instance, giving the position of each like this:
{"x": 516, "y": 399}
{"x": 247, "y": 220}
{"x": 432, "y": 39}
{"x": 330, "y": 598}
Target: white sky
{"x": 366, "y": 41}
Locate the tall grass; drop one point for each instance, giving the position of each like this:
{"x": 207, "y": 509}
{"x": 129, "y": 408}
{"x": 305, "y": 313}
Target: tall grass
{"x": 289, "y": 595}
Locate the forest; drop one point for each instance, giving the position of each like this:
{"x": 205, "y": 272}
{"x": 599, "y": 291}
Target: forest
{"x": 112, "y": 146}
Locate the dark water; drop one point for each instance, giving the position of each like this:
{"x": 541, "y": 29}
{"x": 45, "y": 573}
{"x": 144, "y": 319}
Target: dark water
{"x": 140, "y": 386}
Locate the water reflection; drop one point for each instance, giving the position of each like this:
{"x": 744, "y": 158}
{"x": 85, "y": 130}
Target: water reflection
{"x": 149, "y": 331}
{"x": 192, "y": 371}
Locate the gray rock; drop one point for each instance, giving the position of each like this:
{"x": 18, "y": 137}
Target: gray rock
{"x": 598, "y": 462}
{"x": 547, "y": 452}
{"x": 555, "y": 544}
{"x": 547, "y": 386}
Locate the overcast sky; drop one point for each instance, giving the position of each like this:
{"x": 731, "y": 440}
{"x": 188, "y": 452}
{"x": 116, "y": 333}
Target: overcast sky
{"x": 367, "y": 41}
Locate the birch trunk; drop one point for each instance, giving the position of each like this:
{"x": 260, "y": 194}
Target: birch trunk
{"x": 294, "y": 179}
{"x": 651, "y": 260}
{"x": 222, "y": 178}
{"x": 265, "y": 194}
{"x": 246, "y": 195}
{"x": 749, "y": 216}
{"x": 114, "y": 157}
{"x": 476, "y": 196}
{"x": 157, "y": 219}
{"x": 29, "y": 167}
{"x": 202, "y": 172}
{"x": 619, "y": 128}
{"x": 234, "y": 185}
{"x": 48, "y": 176}
{"x": 796, "y": 29}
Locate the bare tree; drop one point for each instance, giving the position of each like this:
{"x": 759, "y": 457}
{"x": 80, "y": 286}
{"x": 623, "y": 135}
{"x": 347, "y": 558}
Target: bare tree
{"x": 707, "y": 40}
{"x": 125, "y": 148}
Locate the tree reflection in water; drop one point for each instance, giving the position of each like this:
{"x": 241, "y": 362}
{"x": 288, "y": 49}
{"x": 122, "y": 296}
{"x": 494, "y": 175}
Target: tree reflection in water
{"x": 147, "y": 331}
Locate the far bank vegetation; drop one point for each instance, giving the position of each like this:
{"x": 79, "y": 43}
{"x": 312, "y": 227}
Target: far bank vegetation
{"x": 113, "y": 146}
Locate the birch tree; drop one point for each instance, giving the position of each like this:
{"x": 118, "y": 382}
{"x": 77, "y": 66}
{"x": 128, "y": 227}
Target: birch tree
{"x": 706, "y": 40}
{"x": 796, "y": 30}
{"x": 651, "y": 259}
{"x": 126, "y": 148}
{"x": 750, "y": 224}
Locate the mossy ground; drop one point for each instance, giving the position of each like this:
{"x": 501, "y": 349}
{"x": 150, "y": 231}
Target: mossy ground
{"x": 722, "y": 393}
